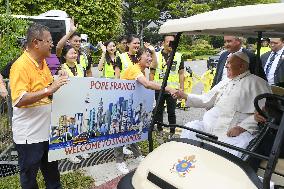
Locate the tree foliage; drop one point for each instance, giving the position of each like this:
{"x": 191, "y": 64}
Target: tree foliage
{"x": 186, "y": 8}
{"x": 218, "y": 4}
{"x": 137, "y": 14}
{"x": 100, "y": 19}
{"x": 10, "y": 30}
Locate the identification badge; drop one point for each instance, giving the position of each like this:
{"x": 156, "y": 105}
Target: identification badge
{"x": 174, "y": 66}
{"x": 161, "y": 75}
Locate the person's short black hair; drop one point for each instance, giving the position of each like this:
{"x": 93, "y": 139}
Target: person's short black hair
{"x": 146, "y": 39}
{"x": 22, "y": 42}
{"x": 35, "y": 31}
{"x": 74, "y": 34}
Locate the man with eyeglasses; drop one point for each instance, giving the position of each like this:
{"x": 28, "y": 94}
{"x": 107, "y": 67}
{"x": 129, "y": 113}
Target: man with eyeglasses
{"x": 273, "y": 61}
{"x": 31, "y": 84}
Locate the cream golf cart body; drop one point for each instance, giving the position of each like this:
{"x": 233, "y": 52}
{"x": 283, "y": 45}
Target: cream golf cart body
{"x": 185, "y": 163}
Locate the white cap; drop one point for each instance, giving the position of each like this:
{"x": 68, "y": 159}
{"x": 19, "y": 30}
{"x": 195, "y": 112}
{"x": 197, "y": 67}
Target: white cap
{"x": 242, "y": 56}
{"x": 84, "y": 37}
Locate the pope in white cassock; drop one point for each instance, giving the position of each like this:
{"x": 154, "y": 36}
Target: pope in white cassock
{"x": 229, "y": 104}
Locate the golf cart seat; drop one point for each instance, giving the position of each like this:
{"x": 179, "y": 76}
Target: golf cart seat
{"x": 186, "y": 163}
{"x": 279, "y": 169}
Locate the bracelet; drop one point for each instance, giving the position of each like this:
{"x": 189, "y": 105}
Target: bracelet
{"x": 46, "y": 91}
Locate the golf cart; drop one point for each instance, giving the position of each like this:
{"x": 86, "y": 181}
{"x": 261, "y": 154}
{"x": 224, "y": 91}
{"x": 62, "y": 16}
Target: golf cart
{"x": 185, "y": 163}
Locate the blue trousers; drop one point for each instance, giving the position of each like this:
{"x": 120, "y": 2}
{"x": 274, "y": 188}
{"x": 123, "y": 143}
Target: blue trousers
{"x": 33, "y": 157}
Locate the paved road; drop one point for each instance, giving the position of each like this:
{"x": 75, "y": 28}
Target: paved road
{"x": 198, "y": 67}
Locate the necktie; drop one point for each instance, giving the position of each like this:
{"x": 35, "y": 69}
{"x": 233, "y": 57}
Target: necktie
{"x": 271, "y": 60}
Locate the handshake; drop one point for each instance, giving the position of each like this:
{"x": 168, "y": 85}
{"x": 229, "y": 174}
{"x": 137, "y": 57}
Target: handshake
{"x": 177, "y": 94}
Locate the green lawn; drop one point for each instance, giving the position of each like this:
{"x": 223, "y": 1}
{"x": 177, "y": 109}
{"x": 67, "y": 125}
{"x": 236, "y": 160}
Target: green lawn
{"x": 71, "y": 180}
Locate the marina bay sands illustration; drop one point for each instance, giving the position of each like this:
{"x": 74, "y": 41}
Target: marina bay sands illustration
{"x": 120, "y": 117}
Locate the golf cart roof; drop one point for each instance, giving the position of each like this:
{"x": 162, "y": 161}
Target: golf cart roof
{"x": 238, "y": 21}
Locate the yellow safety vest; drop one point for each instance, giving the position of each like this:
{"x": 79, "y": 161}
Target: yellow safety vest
{"x": 83, "y": 60}
{"x": 80, "y": 71}
{"x": 264, "y": 50}
{"x": 207, "y": 79}
{"x": 188, "y": 82}
{"x": 173, "y": 80}
{"x": 125, "y": 61}
{"x": 108, "y": 71}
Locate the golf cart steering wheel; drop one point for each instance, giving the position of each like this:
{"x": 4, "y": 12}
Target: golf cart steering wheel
{"x": 267, "y": 96}
{"x": 256, "y": 105}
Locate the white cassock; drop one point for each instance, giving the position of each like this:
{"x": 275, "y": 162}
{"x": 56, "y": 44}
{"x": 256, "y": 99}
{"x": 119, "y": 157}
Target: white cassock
{"x": 230, "y": 104}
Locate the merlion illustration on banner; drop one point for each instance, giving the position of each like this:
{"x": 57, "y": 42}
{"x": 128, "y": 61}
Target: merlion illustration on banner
{"x": 91, "y": 114}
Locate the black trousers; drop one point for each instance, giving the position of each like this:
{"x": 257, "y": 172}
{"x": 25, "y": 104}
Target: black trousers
{"x": 171, "y": 109}
{"x": 265, "y": 148}
{"x": 33, "y": 157}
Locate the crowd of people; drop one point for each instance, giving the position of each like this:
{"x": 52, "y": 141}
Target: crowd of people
{"x": 231, "y": 115}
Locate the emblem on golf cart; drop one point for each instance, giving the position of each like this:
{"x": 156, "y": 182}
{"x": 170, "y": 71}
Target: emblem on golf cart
{"x": 182, "y": 167}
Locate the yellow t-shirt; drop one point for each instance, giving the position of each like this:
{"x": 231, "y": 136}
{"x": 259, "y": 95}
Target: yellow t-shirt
{"x": 132, "y": 72}
{"x": 26, "y": 76}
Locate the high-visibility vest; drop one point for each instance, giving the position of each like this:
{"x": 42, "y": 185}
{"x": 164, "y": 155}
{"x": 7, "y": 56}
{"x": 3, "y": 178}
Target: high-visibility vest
{"x": 264, "y": 50}
{"x": 188, "y": 82}
{"x": 83, "y": 60}
{"x": 125, "y": 61}
{"x": 207, "y": 79}
{"x": 173, "y": 79}
{"x": 80, "y": 70}
{"x": 108, "y": 71}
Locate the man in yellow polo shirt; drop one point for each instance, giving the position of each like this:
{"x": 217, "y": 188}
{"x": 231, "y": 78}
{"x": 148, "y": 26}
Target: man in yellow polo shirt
{"x": 31, "y": 86}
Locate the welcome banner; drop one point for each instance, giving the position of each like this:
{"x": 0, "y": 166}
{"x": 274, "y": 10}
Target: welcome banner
{"x": 92, "y": 114}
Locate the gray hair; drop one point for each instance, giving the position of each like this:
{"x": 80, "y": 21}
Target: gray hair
{"x": 35, "y": 31}
{"x": 240, "y": 39}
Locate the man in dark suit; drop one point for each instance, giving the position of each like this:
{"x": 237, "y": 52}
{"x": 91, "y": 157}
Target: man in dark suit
{"x": 273, "y": 61}
{"x": 232, "y": 44}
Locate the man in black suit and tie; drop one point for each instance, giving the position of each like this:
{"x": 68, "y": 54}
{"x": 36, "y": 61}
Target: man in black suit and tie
{"x": 273, "y": 61}
{"x": 232, "y": 44}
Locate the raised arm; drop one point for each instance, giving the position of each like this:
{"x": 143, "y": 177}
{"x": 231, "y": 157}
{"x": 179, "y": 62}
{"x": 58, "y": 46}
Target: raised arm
{"x": 65, "y": 38}
{"x": 102, "y": 59}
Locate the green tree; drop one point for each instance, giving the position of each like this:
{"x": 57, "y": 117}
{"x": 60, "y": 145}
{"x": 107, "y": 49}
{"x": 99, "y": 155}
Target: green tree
{"x": 186, "y": 8}
{"x": 10, "y": 30}
{"x": 138, "y": 14}
{"x": 218, "y": 4}
{"x": 100, "y": 19}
